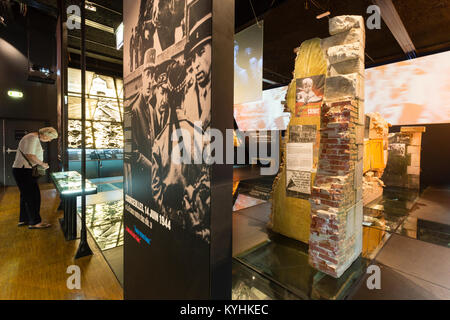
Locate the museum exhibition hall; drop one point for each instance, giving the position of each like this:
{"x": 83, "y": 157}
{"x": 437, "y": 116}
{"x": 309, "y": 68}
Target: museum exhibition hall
{"x": 232, "y": 150}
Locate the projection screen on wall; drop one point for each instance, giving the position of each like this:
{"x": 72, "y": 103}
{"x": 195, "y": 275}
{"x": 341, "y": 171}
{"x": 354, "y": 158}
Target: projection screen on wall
{"x": 411, "y": 92}
{"x": 248, "y": 57}
{"x": 266, "y": 114}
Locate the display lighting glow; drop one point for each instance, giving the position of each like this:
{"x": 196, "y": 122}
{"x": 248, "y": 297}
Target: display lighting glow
{"x": 90, "y": 6}
{"x": 78, "y": 190}
{"x": 45, "y": 70}
{"x": 15, "y": 94}
{"x": 119, "y": 36}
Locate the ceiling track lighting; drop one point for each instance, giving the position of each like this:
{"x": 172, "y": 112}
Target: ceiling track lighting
{"x": 323, "y": 15}
{"x": 395, "y": 24}
{"x": 90, "y": 6}
{"x": 96, "y": 25}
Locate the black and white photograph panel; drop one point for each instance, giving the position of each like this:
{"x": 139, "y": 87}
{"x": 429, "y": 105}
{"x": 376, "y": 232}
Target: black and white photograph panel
{"x": 198, "y": 63}
{"x": 169, "y": 91}
{"x": 156, "y": 24}
{"x": 183, "y": 102}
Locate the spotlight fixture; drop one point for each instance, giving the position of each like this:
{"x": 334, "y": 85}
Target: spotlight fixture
{"x": 323, "y": 15}
{"x": 2, "y": 21}
{"x": 90, "y": 6}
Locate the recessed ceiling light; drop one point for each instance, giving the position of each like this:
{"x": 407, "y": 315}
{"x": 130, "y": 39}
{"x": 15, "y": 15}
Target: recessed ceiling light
{"x": 15, "y": 94}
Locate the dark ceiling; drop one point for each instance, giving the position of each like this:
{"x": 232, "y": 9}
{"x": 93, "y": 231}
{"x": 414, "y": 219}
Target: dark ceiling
{"x": 286, "y": 24}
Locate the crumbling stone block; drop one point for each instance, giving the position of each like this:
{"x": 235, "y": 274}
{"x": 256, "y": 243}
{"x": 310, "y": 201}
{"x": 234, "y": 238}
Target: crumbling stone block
{"x": 344, "y": 86}
{"x": 343, "y": 23}
{"x": 345, "y": 52}
{"x": 346, "y": 67}
{"x": 350, "y": 36}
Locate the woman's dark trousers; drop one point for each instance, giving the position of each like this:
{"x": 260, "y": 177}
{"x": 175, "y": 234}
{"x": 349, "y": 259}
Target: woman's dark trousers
{"x": 30, "y": 196}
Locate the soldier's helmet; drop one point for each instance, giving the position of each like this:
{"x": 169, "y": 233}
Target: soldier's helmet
{"x": 200, "y": 26}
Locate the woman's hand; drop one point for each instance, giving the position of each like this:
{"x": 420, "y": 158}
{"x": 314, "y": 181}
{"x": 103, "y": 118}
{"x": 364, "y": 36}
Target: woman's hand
{"x": 35, "y": 161}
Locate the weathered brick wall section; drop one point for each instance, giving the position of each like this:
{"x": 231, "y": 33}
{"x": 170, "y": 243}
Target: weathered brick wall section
{"x": 336, "y": 201}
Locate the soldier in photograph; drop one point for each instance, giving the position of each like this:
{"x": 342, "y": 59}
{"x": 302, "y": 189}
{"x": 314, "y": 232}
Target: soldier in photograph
{"x": 168, "y": 18}
{"x": 181, "y": 190}
{"x": 142, "y": 120}
{"x": 198, "y": 60}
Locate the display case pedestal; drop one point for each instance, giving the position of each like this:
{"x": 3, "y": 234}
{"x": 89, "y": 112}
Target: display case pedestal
{"x": 69, "y": 188}
{"x": 69, "y": 221}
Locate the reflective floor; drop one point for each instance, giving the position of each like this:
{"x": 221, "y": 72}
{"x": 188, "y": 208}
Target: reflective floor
{"x": 104, "y": 221}
{"x": 250, "y": 285}
{"x": 270, "y": 266}
{"x": 243, "y": 201}
{"x": 389, "y": 212}
{"x": 283, "y": 262}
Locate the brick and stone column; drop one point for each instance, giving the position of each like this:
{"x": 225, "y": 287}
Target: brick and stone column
{"x": 336, "y": 202}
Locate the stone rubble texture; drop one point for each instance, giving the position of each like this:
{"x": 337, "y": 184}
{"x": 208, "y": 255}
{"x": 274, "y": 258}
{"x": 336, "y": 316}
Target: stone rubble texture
{"x": 350, "y": 36}
{"x": 344, "y": 23}
{"x": 352, "y": 51}
{"x": 336, "y": 202}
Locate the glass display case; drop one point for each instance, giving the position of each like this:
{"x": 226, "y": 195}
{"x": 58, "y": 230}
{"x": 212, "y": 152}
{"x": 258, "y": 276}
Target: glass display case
{"x": 100, "y": 163}
{"x": 69, "y": 184}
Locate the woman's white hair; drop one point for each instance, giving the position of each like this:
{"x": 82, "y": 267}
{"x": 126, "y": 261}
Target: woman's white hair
{"x": 49, "y": 132}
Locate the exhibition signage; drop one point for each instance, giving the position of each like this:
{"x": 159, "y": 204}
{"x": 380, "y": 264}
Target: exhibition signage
{"x": 177, "y": 215}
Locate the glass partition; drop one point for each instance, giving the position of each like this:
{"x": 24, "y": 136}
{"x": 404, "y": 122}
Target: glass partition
{"x": 104, "y": 120}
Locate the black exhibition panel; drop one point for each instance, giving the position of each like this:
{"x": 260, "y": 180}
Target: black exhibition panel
{"x": 177, "y": 217}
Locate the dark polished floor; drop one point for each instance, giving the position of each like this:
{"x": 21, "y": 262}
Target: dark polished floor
{"x": 410, "y": 268}
{"x": 404, "y": 234}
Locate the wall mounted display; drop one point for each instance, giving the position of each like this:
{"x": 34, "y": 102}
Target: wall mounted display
{"x": 309, "y": 96}
{"x": 104, "y": 111}
{"x": 300, "y": 159}
{"x": 411, "y": 91}
{"x": 248, "y": 63}
{"x": 171, "y": 72}
{"x": 265, "y": 114}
